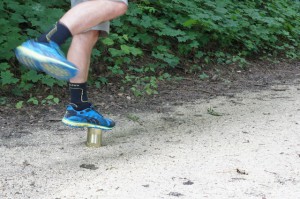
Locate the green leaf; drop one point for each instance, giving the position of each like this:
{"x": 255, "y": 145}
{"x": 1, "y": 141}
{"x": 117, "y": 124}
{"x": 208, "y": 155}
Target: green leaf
{"x": 49, "y": 97}
{"x": 203, "y": 76}
{"x": 19, "y": 104}
{"x": 146, "y": 21}
{"x": 4, "y": 66}
{"x": 56, "y": 100}
{"x": 108, "y": 41}
{"x": 189, "y": 23}
{"x": 96, "y": 53}
{"x": 8, "y": 78}
{"x": 131, "y": 50}
{"x": 33, "y": 100}
{"x": 125, "y": 49}
{"x": 49, "y": 81}
{"x": 211, "y": 111}
{"x": 149, "y": 91}
{"x": 115, "y": 52}
{"x": 33, "y": 76}
{"x": 3, "y": 101}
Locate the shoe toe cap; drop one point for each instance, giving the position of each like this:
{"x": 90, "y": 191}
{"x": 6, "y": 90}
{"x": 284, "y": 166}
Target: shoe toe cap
{"x": 111, "y": 123}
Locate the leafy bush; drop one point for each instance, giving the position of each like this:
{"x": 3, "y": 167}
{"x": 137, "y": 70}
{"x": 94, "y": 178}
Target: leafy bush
{"x": 23, "y": 20}
{"x": 201, "y": 31}
{"x": 156, "y": 36}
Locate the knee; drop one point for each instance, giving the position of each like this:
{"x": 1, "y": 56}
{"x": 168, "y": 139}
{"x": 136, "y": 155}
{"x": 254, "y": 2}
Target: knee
{"x": 121, "y": 8}
{"x": 93, "y": 36}
{"x": 88, "y": 38}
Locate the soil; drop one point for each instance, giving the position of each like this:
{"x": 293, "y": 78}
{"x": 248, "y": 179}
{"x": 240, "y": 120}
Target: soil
{"x": 235, "y": 135}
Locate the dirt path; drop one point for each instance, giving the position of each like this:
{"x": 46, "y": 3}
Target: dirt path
{"x": 251, "y": 151}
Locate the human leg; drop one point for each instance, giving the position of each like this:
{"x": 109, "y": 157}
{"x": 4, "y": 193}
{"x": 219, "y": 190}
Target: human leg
{"x": 80, "y": 53}
{"x": 90, "y": 13}
{"x": 47, "y": 57}
{"x": 80, "y": 112}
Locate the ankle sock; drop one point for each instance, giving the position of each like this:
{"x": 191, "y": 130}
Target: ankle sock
{"x": 58, "y": 34}
{"x": 79, "y": 98}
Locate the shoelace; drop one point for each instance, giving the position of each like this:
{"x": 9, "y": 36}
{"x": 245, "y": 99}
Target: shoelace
{"x": 51, "y": 44}
{"x": 56, "y": 47}
{"x": 93, "y": 108}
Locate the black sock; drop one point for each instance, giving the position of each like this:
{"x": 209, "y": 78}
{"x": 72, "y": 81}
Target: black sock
{"x": 79, "y": 97}
{"x": 58, "y": 34}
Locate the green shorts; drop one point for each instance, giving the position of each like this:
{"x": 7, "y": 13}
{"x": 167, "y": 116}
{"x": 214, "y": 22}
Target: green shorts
{"x": 104, "y": 27}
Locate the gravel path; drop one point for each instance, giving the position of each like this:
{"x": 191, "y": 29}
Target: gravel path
{"x": 250, "y": 150}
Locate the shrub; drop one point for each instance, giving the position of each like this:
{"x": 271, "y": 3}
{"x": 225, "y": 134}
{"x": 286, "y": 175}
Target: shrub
{"x": 156, "y": 36}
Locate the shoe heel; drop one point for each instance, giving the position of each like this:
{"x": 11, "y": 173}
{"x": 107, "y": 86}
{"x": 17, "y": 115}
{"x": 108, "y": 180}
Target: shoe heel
{"x": 94, "y": 138}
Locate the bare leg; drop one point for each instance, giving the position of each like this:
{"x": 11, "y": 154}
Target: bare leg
{"x": 80, "y": 53}
{"x": 90, "y": 13}
{"x": 78, "y": 20}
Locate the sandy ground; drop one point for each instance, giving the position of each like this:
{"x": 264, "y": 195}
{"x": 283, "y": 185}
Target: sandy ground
{"x": 251, "y": 151}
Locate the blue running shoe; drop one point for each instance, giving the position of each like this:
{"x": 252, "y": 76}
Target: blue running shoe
{"x": 87, "y": 118}
{"x": 46, "y": 57}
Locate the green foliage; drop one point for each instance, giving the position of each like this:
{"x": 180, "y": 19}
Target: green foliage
{"x": 197, "y": 34}
{"x": 212, "y": 112}
{"x": 3, "y": 101}
{"x": 8, "y": 78}
{"x": 181, "y": 29}
{"x": 155, "y": 37}
{"x": 19, "y": 104}
{"x": 203, "y": 76}
{"x": 50, "y": 100}
{"x": 100, "y": 81}
{"x": 21, "y": 20}
{"x": 33, "y": 100}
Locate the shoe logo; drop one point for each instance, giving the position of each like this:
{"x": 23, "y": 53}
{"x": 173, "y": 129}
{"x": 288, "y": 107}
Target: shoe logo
{"x": 55, "y": 70}
{"x": 91, "y": 120}
{"x": 51, "y": 33}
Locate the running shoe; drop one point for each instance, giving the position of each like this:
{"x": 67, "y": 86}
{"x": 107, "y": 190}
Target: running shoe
{"x": 88, "y": 117}
{"x": 46, "y": 57}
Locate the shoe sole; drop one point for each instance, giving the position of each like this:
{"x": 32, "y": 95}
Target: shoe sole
{"x": 25, "y": 60}
{"x": 51, "y": 66}
{"x": 82, "y": 124}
